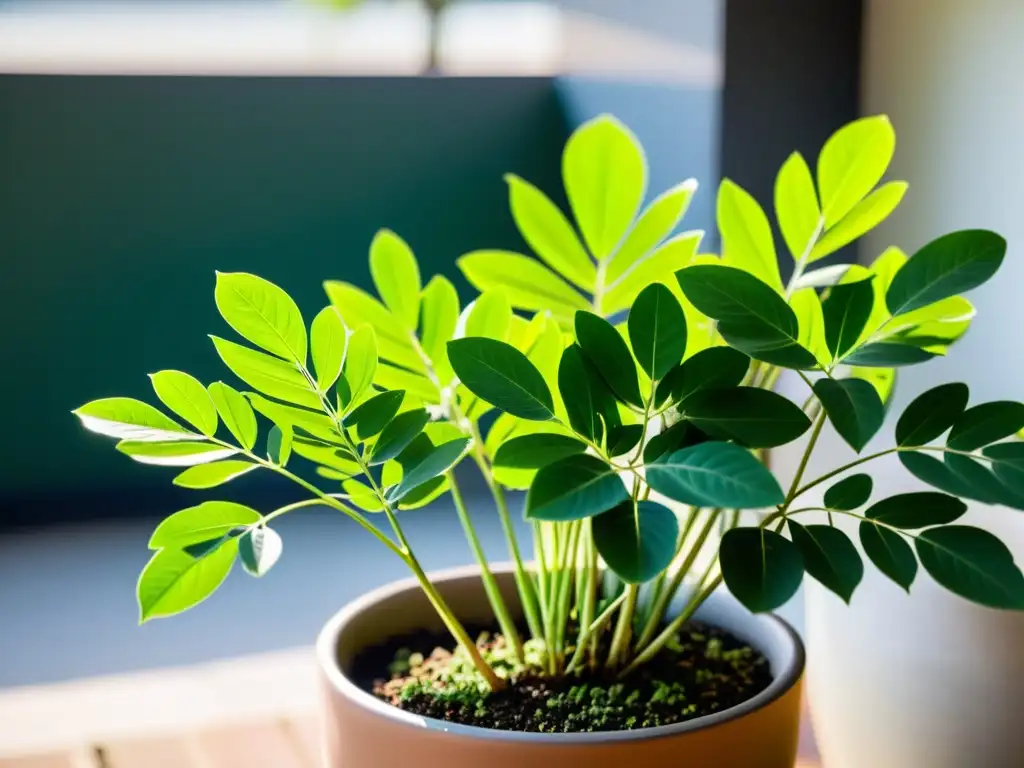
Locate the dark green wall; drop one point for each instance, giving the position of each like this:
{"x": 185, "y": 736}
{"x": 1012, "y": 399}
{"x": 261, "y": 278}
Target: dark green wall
{"x": 120, "y": 196}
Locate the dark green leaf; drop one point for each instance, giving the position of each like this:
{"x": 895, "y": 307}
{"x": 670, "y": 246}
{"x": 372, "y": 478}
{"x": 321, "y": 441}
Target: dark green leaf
{"x": 887, "y": 354}
{"x": 501, "y": 375}
{"x": 712, "y": 368}
{"x": 375, "y": 414}
{"x": 751, "y": 316}
{"x": 930, "y": 470}
{"x": 931, "y": 413}
{"x": 624, "y": 438}
{"x": 279, "y": 445}
{"x": 657, "y": 330}
{"x": 586, "y": 396}
{"x": 715, "y": 475}
{"x": 536, "y": 451}
{"x": 761, "y": 568}
{"x": 207, "y": 521}
{"x": 952, "y": 264}
{"x": 829, "y": 557}
{"x": 846, "y": 312}
{"x": 753, "y": 417}
{"x": 889, "y": 552}
{"x": 607, "y": 352}
{"x": 916, "y": 510}
{"x": 1007, "y": 460}
{"x": 173, "y": 581}
{"x": 854, "y": 408}
{"x": 973, "y": 564}
{"x": 212, "y": 475}
{"x": 435, "y": 463}
{"x": 981, "y": 480}
{"x": 574, "y": 488}
{"x": 985, "y": 424}
{"x": 637, "y": 544}
{"x": 849, "y": 493}
{"x": 399, "y": 432}
{"x": 258, "y": 549}
{"x": 682, "y": 434}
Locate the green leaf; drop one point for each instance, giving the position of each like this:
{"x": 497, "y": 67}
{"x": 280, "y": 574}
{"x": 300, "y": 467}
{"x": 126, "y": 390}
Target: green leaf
{"x": 129, "y": 419}
{"x": 747, "y": 242}
{"x": 979, "y": 478}
{"x": 279, "y": 444}
{"x": 574, "y": 488}
{"x": 211, "y": 475}
{"x": 503, "y": 376}
{"x": 636, "y": 543}
{"x": 526, "y": 282}
{"x": 435, "y": 463}
{"x": 761, "y": 568}
{"x": 985, "y": 424}
{"x": 206, "y": 521}
{"x": 1007, "y": 461}
{"x": 889, "y": 552}
{"x": 851, "y": 163}
{"x": 397, "y": 435}
{"x": 360, "y": 366}
{"x": 712, "y": 368}
{"x": 849, "y": 493}
{"x": 930, "y": 470}
{"x": 549, "y": 233}
{"x": 657, "y": 330}
{"x": 259, "y": 548}
{"x": 846, "y": 312}
{"x": 916, "y": 510}
{"x": 822, "y": 277}
{"x": 340, "y": 462}
{"x": 973, "y": 564}
{"x": 882, "y": 379}
{"x": 829, "y": 557}
{"x": 607, "y": 352}
{"x": 750, "y": 416}
{"x": 313, "y": 423}
{"x": 262, "y": 313}
{"x": 375, "y": 414}
{"x": 796, "y": 205}
{"x": 174, "y": 581}
{"x": 362, "y": 495}
{"x": 654, "y": 225}
{"x": 887, "y": 354}
{"x": 715, "y": 475}
{"x": 586, "y": 396}
{"x": 537, "y": 450}
{"x": 751, "y": 316}
{"x": 489, "y": 316}
{"x": 327, "y": 345}
{"x": 605, "y": 175}
{"x": 358, "y": 308}
{"x": 657, "y": 267}
{"x": 439, "y": 319}
{"x": 397, "y": 276}
{"x": 931, "y": 413}
{"x": 682, "y": 434}
{"x": 806, "y": 305}
{"x": 952, "y": 264}
{"x": 174, "y": 453}
{"x": 267, "y": 374}
{"x": 623, "y": 438}
{"x": 865, "y": 216}
{"x": 854, "y": 408}
{"x": 188, "y": 398}
{"x": 236, "y": 413}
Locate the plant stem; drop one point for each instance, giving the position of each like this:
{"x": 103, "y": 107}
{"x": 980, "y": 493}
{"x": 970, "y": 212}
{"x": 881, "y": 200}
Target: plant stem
{"x": 297, "y": 505}
{"x": 815, "y": 434}
{"x": 590, "y": 631}
{"x": 624, "y": 628}
{"x": 505, "y": 621}
{"x": 567, "y": 572}
{"x": 829, "y": 475}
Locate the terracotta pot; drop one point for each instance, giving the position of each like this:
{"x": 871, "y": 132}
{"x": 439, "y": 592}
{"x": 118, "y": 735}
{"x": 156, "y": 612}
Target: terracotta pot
{"x": 361, "y": 731}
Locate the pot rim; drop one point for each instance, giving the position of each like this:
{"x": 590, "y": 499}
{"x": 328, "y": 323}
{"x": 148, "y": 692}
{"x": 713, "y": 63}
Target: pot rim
{"x": 326, "y": 653}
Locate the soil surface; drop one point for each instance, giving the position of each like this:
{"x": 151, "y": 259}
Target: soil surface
{"x": 705, "y": 670}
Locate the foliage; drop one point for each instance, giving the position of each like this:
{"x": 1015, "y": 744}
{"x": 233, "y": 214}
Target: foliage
{"x": 624, "y": 381}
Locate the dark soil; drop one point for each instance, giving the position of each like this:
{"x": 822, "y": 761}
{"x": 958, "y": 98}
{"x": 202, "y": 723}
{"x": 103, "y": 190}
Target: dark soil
{"x": 706, "y": 670}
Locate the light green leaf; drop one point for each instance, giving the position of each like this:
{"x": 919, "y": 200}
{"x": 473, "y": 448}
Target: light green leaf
{"x": 811, "y": 320}
{"x": 865, "y": 216}
{"x": 490, "y": 316}
{"x": 211, "y": 475}
{"x": 431, "y": 466}
{"x": 574, "y": 488}
{"x": 440, "y": 317}
{"x": 549, "y": 233}
{"x": 916, "y": 510}
{"x": 360, "y": 366}
{"x": 823, "y": 277}
{"x": 204, "y": 522}
{"x": 188, "y": 398}
{"x": 267, "y": 374}
{"x": 607, "y": 352}
{"x": 986, "y": 423}
{"x": 660, "y": 266}
{"x": 262, "y": 313}
{"x": 931, "y": 413}
{"x": 882, "y": 379}
{"x": 715, "y": 475}
{"x": 501, "y": 375}
{"x": 849, "y": 493}
{"x": 339, "y": 462}
{"x": 753, "y": 417}
{"x": 174, "y": 581}
{"x": 236, "y": 413}
{"x": 279, "y": 444}
{"x": 314, "y": 423}
{"x": 536, "y": 450}
{"x": 397, "y": 435}
{"x": 637, "y": 542}
{"x": 259, "y": 549}
{"x": 854, "y": 408}
{"x": 360, "y": 494}
{"x": 327, "y": 344}
{"x": 761, "y": 569}
{"x": 397, "y": 276}
{"x": 174, "y": 453}
{"x": 129, "y": 419}
{"x": 605, "y": 175}
{"x": 654, "y": 225}
{"x": 889, "y": 552}
{"x": 829, "y": 557}
{"x": 357, "y": 308}
{"x": 657, "y": 330}
{"x": 747, "y": 242}
{"x": 417, "y": 385}
{"x": 796, "y": 205}
{"x": 375, "y": 414}
{"x": 851, "y": 163}
{"x": 846, "y": 312}
{"x": 973, "y": 564}
{"x": 526, "y": 282}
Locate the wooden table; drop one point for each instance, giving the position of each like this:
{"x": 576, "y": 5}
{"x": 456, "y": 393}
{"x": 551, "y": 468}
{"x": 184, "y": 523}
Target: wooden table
{"x": 249, "y": 712}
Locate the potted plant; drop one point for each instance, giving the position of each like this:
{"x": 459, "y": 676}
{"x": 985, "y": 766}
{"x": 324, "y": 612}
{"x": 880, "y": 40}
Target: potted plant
{"x": 626, "y": 382}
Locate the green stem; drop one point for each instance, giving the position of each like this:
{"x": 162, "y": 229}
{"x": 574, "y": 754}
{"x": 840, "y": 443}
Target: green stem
{"x": 567, "y": 572}
{"x": 591, "y": 631}
{"x": 297, "y": 505}
{"x": 505, "y": 621}
{"x": 624, "y": 628}
{"x": 829, "y": 475}
{"x": 815, "y": 434}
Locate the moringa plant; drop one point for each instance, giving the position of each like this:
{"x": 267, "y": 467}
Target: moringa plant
{"x": 624, "y": 381}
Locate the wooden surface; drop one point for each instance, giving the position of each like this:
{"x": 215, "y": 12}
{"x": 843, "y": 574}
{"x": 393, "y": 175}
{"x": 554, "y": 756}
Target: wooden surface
{"x": 250, "y": 712}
